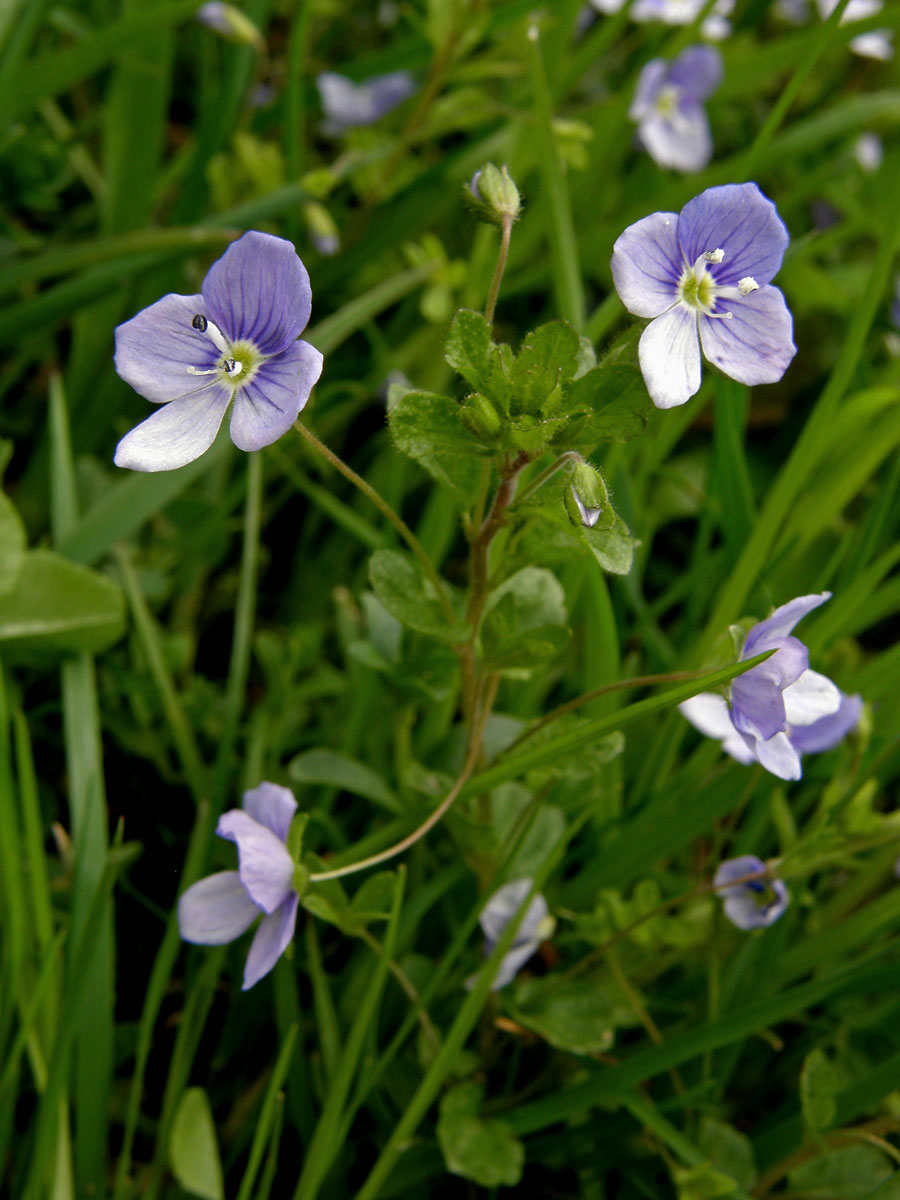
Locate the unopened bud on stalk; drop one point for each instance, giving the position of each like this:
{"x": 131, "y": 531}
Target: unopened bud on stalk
{"x": 481, "y": 417}
{"x": 493, "y": 196}
{"x": 323, "y": 233}
{"x": 587, "y": 499}
{"x": 231, "y": 23}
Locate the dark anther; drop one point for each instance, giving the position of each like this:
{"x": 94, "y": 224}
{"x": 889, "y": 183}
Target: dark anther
{"x": 229, "y": 364}
{"x": 200, "y": 322}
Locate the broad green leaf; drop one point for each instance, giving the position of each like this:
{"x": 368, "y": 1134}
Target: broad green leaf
{"x": 428, "y": 427}
{"x": 485, "y": 1151}
{"x": 468, "y": 348}
{"x": 323, "y": 766}
{"x": 613, "y": 548}
{"x": 193, "y": 1152}
{"x": 728, "y": 1150}
{"x": 609, "y": 403}
{"x": 577, "y": 1014}
{"x": 525, "y": 620}
{"x": 547, "y": 359}
{"x": 61, "y": 607}
{"x": 12, "y": 544}
{"x": 819, "y": 1086}
{"x": 703, "y": 1182}
{"x": 846, "y": 1173}
{"x": 401, "y": 586}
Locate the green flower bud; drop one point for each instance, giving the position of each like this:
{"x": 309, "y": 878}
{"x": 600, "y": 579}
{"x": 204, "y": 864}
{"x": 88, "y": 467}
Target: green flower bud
{"x": 481, "y": 418}
{"x": 587, "y": 499}
{"x": 231, "y": 23}
{"x": 493, "y": 196}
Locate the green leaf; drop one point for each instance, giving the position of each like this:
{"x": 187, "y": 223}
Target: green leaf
{"x": 703, "y": 1182}
{"x": 577, "y": 1014}
{"x": 58, "y": 606}
{"x": 609, "y": 403}
{"x": 193, "y": 1152}
{"x": 613, "y": 548}
{"x": 846, "y": 1173}
{"x": 547, "y": 359}
{"x": 12, "y": 544}
{"x": 819, "y": 1086}
{"x": 729, "y": 1151}
{"x": 428, "y": 428}
{"x": 468, "y": 348}
{"x": 402, "y": 587}
{"x": 485, "y": 1151}
{"x": 525, "y": 620}
{"x": 372, "y": 901}
{"x": 328, "y": 767}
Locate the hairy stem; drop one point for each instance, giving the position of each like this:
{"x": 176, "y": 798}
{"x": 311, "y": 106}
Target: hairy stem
{"x": 505, "y": 233}
{"x": 385, "y": 509}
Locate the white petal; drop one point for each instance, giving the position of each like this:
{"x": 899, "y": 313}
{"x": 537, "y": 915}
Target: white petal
{"x": 810, "y": 697}
{"x": 216, "y": 910}
{"x": 709, "y": 713}
{"x": 175, "y": 435}
{"x": 779, "y": 756}
{"x": 669, "y": 354}
{"x": 737, "y": 747}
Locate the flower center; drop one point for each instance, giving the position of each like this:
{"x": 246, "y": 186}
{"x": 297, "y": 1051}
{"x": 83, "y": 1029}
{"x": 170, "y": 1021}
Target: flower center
{"x": 239, "y": 361}
{"x": 762, "y": 893}
{"x": 697, "y": 287}
{"x": 666, "y": 103}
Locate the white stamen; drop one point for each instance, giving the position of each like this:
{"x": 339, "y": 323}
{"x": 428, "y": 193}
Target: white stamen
{"x": 233, "y": 366}
{"x": 203, "y": 325}
{"x": 747, "y": 285}
{"x": 197, "y": 371}
{"x": 713, "y": 256}
{"x": 725, "y": 316}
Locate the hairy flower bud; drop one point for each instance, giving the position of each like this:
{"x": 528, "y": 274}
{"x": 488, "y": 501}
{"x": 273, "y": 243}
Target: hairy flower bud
{"x": 481, "y": 417}
{"x": 587, "y": 500}
{"x": 493, "y": 196}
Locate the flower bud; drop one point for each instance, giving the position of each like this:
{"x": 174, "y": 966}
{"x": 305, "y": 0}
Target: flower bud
{"x": 481, "y": 418}
{"x": 231, "y": 23}
{"x": 587, "y": 499}
{"x": 323, "y": 233}
{"x": 493, "y": 196}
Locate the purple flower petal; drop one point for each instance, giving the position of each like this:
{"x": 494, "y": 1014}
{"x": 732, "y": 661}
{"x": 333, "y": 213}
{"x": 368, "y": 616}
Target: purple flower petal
{"x": 753, "y": 903}
{"x": 680, "y": 140}
{"x": 155, "y": 349}
{"x": 496, "y": 915}
{"x": 646, "y": 265}
{"x": 177, "y": 434}
{"x": 736, "y": 868}
{"x": 216, "y": 910}
{"x": 757, "y": 344}
{"x": 669, "y": 354}
{"x": 650, "y": 82}
{"x": 259, "y": 292}
{"x": 697, "y": 71}
{"x": 273, "y": 806}
{"x": 267, "y": 407}
{"x": 778, "y": 756}
{"x": 347, "y": 104}
{"x": 828, "y": 731}
{"x": 265, "y": 867}
{"x": 809, "y": 698}
{"x": 768, "y": 633}
{"x": 271, "y": 940}
{"x": 741, "y": 221}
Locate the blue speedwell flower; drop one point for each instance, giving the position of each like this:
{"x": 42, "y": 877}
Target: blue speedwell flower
{"x": 347, "y": 104}
{"x": 754, "y": 897}
{"x": 668, "y": 107}
{"x": 233, "y": 344}
{"x": 535, "y": 927}
{"x": 219, "y": 908}
{"x": 780, "y": 709}
{"x": 676, "y": 12}
{"x": 703, "y": 275}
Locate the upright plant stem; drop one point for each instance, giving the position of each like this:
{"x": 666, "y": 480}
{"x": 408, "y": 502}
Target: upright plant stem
{"x": 385, "y": 509}
{"x": 505, "y": 234}
{"x": 244, "y": 613}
